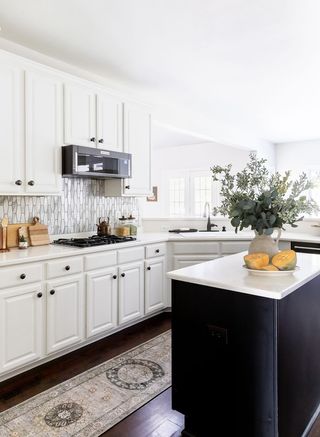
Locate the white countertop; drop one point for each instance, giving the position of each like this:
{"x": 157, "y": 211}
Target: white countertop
{"x": 227, "y": 273}
{"x": 49, "y": 251}
{"x": 40, "y": 253}
{"x": 244, "y": 235}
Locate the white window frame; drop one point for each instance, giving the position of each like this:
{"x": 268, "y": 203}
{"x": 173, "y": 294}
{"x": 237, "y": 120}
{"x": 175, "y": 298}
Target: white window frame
{"x": 189, "y": 197}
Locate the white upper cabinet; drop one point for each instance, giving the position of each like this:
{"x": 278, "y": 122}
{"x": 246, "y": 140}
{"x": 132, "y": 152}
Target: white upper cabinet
{"x": 93, "y": 118}
{"x": 11, "y": 129}
{"x": 109, "y": 122}
{"x": 44, "y": 124}
{"x": 79, "y": 115}
{"x": 31, "y": 111}
{"x": 137, "y": 141}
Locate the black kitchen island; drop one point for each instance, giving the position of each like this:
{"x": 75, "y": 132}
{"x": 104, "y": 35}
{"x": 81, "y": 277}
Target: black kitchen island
{"x": 246, "y": 349}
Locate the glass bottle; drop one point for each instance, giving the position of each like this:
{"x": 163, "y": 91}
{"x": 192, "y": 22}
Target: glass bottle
{"x": 122, "y": 228}
{"x": 133, "y": 225}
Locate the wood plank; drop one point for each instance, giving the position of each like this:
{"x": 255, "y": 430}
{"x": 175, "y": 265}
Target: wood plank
{"x": 38, "y": 233}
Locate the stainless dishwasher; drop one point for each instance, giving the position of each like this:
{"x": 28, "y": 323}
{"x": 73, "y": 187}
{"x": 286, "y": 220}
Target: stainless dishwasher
{"x": 300, "y": 246}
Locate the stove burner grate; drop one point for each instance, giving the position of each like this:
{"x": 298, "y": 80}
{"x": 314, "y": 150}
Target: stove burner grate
{"x": 94, "y": 240}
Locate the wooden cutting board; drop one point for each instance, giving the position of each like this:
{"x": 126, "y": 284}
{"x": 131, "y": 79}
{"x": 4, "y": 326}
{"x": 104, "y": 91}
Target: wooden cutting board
{"x": 38, "y": 233}
{"x": 13, "y": 234}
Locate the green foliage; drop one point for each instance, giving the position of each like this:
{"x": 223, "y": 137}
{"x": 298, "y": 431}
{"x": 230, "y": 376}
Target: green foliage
{"x": 256, "y": 199}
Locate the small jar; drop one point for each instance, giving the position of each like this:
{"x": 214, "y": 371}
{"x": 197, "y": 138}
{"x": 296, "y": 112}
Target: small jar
{"x": 122, "y": 229}
{"x": 133, "y": 225}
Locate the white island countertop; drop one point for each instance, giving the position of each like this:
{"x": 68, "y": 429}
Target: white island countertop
{"x": 228, "y": 273}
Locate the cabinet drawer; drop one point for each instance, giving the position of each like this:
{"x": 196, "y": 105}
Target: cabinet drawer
{"x": 64, "y": 267}
{"x": 100, "y": 260}
{"x": 24, "y": 274}
{"x": 155, "y": 250}
{"x": 234, "y": 246}
{"x": 198, "y": 247}
{"x": 132, "y": 254}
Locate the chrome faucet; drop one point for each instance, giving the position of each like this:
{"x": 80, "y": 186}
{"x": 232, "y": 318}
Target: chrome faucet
{"x": 206, "y": 213}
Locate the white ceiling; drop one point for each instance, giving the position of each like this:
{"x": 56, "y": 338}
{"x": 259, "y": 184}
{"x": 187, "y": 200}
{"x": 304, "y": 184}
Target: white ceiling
{"x": 248, "y": 63}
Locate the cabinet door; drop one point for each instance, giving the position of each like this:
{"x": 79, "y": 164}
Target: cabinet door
{"x": 101, "y": 301}
{"x": 130, "y": 292}
{"x": 21, "y": 326}
{"x": 109, "y": 122}
{"x": 80, "y": 115}
{"x": 154, "y": 284}
{"x": 65, "y": 313}
{"x": 12, "y": 129}
{"x": 44, "y": 134}
{"x": 137, "y": 141}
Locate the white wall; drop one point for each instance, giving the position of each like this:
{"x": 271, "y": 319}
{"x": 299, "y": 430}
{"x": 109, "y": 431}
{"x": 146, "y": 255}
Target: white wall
{"x": 191, "y": 157}
{"x": 298, "y": 155}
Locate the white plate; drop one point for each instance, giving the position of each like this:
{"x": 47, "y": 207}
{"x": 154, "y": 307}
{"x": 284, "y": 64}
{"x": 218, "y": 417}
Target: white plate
{"x": 271, "y": 273}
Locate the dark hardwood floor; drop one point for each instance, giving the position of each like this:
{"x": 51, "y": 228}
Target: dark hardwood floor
{"x": 155, "y": 419}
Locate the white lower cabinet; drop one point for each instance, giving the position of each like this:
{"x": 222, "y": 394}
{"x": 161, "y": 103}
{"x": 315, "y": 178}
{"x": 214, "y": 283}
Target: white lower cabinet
{"x": 154, "y": 284}
{"x": 102, "y": 295}
{"x": 131, "y": 292}
{"x": 65, "y": 313}
{"x": 21, "y": 326}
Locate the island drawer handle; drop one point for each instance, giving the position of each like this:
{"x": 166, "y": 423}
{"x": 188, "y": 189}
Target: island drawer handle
{"x": 23, "y": 276}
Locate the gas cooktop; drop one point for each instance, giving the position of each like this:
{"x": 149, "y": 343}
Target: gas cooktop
{"x": 95, "y": 240}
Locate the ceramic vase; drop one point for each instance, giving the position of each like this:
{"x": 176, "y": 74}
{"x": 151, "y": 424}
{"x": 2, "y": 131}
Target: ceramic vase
{"x": 265, "y": 243}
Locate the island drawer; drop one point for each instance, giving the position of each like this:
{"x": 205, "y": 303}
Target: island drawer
{"x": 153, "y": 250}
{"x": 64, "y": 267}
{"x": 100, "y": 260}
{"x": 20, "y": 275}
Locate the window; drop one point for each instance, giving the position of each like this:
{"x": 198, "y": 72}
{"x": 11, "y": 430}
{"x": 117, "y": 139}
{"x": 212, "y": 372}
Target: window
{"x": 188, "y": 191}
{"x": 202, "y": 192}
{"x": 177, "y": 196}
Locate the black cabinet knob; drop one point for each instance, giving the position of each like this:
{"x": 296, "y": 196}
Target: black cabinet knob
{"x": 127, "y": 187}
{"x": 101, "y": 140}
{"x": 31, "y": 183}
{"x": 18, "y": 182}
{"x": 123, "y": 275}
{"x": 157, "y": 250}
{"x": 93, "y": 139}
{"x": 39, "y": 294}
{"x": 149, "y": 268}
{"x": 23, "y": 276}
{"x": 52, "y": 292}
{"x": 67, "y": 268}
{"x": 114, "y": 276}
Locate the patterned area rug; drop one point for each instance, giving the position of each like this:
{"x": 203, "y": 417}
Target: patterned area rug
{"x": 94, "y": 401}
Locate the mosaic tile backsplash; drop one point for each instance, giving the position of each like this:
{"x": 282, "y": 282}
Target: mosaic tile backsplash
{"x": 77, "y": 210}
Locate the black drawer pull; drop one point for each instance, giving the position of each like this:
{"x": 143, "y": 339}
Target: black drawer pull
{"x": 18, "y": 182}
{"x": 31, "y": 183}
{"x": 123, "y": 275}
{"x": 157, "y": 250}
{"x": 52, "y": 292}
{"x": 39, "y": 294}
{"x": 114, "y": 276}
{"x": 23, "y": 276}
{"x": 149, "y": 268}
{"x": 127, "y": 187}
{"x": 92, "y": 139}
{"x": 67, "y": 268}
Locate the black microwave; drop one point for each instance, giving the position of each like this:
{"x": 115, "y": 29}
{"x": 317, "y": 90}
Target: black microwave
{"x": 79, "y": 161}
